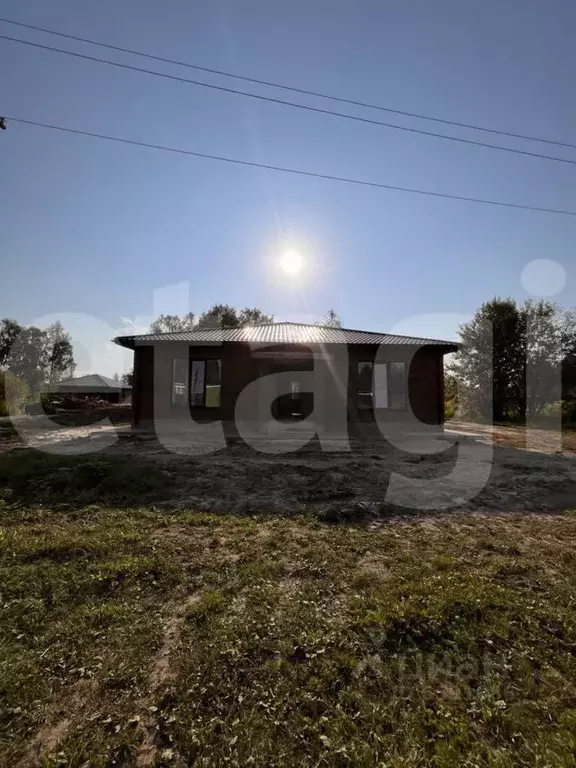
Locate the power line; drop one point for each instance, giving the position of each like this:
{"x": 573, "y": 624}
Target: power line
{"x": 303, "y": 91}
{"x": 293, "y": 104}
{"x": 295, "y": 171}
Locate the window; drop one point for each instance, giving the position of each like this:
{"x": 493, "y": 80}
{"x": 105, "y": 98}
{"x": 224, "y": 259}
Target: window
{"x": 205, "y": 384}
{"x": 365, "y": 382}
{"x": 380, "y": 385}
{"x": 180, "y": 381}
{"x": 397, "y": 385}
{"x": 197, "y": 383}
{"x": 212, "y": 396}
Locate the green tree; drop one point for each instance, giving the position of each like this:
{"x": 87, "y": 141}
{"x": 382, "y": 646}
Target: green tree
{"x": 9, "y": 330}
{"x": 490, "y": 363}
{"x": 29, "y": 357}
{"x": 219, "y": 316}
{"x": 515, "y": 355}
{"x": 173, "y": 323}
{"x": 450, "y": 396}
{"x": 550, "y": 348}
{"x": 60, "y": 353}
{"x": 253, "y": 316}
{"x": 14, "y": 394}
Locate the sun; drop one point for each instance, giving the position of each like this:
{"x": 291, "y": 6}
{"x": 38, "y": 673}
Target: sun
{"x": 291, "y": 261}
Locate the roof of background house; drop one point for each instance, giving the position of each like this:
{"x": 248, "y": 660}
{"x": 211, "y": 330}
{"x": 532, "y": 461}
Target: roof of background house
{"x": 279, "y": 333}
{"x": 89, "y": 382}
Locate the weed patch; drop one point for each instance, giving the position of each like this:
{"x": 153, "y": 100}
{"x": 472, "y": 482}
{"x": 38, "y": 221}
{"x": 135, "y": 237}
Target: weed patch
{"x": 32, "y": 476}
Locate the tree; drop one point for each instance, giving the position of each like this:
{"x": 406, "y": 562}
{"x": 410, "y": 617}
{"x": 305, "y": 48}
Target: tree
{"x": 60, "y": 353}
{"x": 550, "y": 350}
{"x": 173, "y": 323}
{"x": 128, "y": 378}
{"x": 29, "y": 357}
{"x": 491, "y": 361}
{"x": 219, "y": 316}
{"x": 9, "y": 330}
{"x": 514, "y": 354}
{"x": 14, "y": 393}
{"x": 252, "y": 316}
{"x": 450, "y": 396}
{"x": 332, "y": 319}
{"x": 37, "y": 356}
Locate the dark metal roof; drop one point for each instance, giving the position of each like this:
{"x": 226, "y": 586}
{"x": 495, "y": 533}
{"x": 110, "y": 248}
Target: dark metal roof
{"x": 279, "y": 333}
{"x": 91, "y": 381}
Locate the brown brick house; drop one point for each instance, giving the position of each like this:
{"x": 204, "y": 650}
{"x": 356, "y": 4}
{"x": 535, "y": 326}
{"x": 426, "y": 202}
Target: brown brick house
{"x": 289, "y": 371}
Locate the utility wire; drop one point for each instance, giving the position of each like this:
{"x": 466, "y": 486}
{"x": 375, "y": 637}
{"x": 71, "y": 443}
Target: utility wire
{"x": 308, "y": 108}
{"x": 294, "y": 89}
{"x": 295, "y": 171}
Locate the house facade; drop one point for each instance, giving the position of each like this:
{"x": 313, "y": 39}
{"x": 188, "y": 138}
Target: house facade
{"x": 287, "y": 371}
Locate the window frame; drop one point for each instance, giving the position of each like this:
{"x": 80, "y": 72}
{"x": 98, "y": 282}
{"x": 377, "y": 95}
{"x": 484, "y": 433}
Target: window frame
{"x": 185, "y": 394}
{"x": 361, "y": 394}
{"x": 386, "y": 367}
{"x": 390, "y": 392}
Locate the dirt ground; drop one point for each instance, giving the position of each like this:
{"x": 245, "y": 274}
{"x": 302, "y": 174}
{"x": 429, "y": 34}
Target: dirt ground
{"x": 466, "y": 471}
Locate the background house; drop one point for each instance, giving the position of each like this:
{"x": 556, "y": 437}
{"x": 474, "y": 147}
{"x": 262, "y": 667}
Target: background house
{"x": 93, "y": 385}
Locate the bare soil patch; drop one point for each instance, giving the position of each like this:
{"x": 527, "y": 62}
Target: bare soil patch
{"x": 465, "y": 474}
{"x": 70, "y": 709}
{"x": 370, "y": 479}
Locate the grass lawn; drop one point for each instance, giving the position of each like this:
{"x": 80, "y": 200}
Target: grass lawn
{"x": 137, "y": 636}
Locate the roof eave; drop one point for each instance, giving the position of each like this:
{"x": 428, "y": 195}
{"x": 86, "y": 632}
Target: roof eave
{"x": 128, "y": 342}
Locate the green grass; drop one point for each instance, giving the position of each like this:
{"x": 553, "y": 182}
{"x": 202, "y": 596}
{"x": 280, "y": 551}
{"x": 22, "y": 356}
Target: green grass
{"x": 288, "y": 643}
{"x": 133, "y": 636}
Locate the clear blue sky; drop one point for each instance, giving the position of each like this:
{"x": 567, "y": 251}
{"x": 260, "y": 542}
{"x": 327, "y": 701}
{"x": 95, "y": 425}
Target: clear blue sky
{"x": 93, "y": 227}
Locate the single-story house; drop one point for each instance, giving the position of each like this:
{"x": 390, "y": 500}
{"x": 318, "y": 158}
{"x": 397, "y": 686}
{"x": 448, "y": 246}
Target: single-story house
{"x": 287, "y": 371}
{"x": 93, "y": 385}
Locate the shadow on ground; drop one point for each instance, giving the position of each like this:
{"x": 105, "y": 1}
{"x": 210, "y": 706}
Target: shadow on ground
{"x": 371, "y": 481}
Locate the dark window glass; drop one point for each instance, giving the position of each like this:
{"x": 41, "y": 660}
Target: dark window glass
{"x": 365, "y": 384}
{"x": 381, "y": 385}
{"x": 205, "y": 383}
{"x": 197, "y": 383}
{"x": 212, "y": 396}
{"x": 397, "y": 386}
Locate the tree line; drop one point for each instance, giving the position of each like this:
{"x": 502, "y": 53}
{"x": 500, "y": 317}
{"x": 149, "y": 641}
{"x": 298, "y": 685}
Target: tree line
{"x": 515, "y": 361}
{"x": 224, "y": 316}
{"x": 32, "y": 357}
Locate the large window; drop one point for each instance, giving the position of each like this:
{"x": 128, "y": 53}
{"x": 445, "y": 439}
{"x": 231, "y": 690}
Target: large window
{"x": 397, "y": 386}
{"x": 365, "y": 384}
{"x": 381, "y": 385}
{"x": 205, "y": 383}
{"x": 180, "y": 381}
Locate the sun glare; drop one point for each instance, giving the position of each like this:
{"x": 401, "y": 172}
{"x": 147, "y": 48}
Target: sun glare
{"x": 291, "y": 261}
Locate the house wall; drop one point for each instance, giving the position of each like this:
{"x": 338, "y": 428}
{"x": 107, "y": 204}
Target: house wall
{"x": 241, "y": 366}
{"x": 425, "y": 374}
{"x": 143, "y": 385}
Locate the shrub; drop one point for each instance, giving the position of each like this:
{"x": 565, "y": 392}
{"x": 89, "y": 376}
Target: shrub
{"x": 14, "y": 394}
